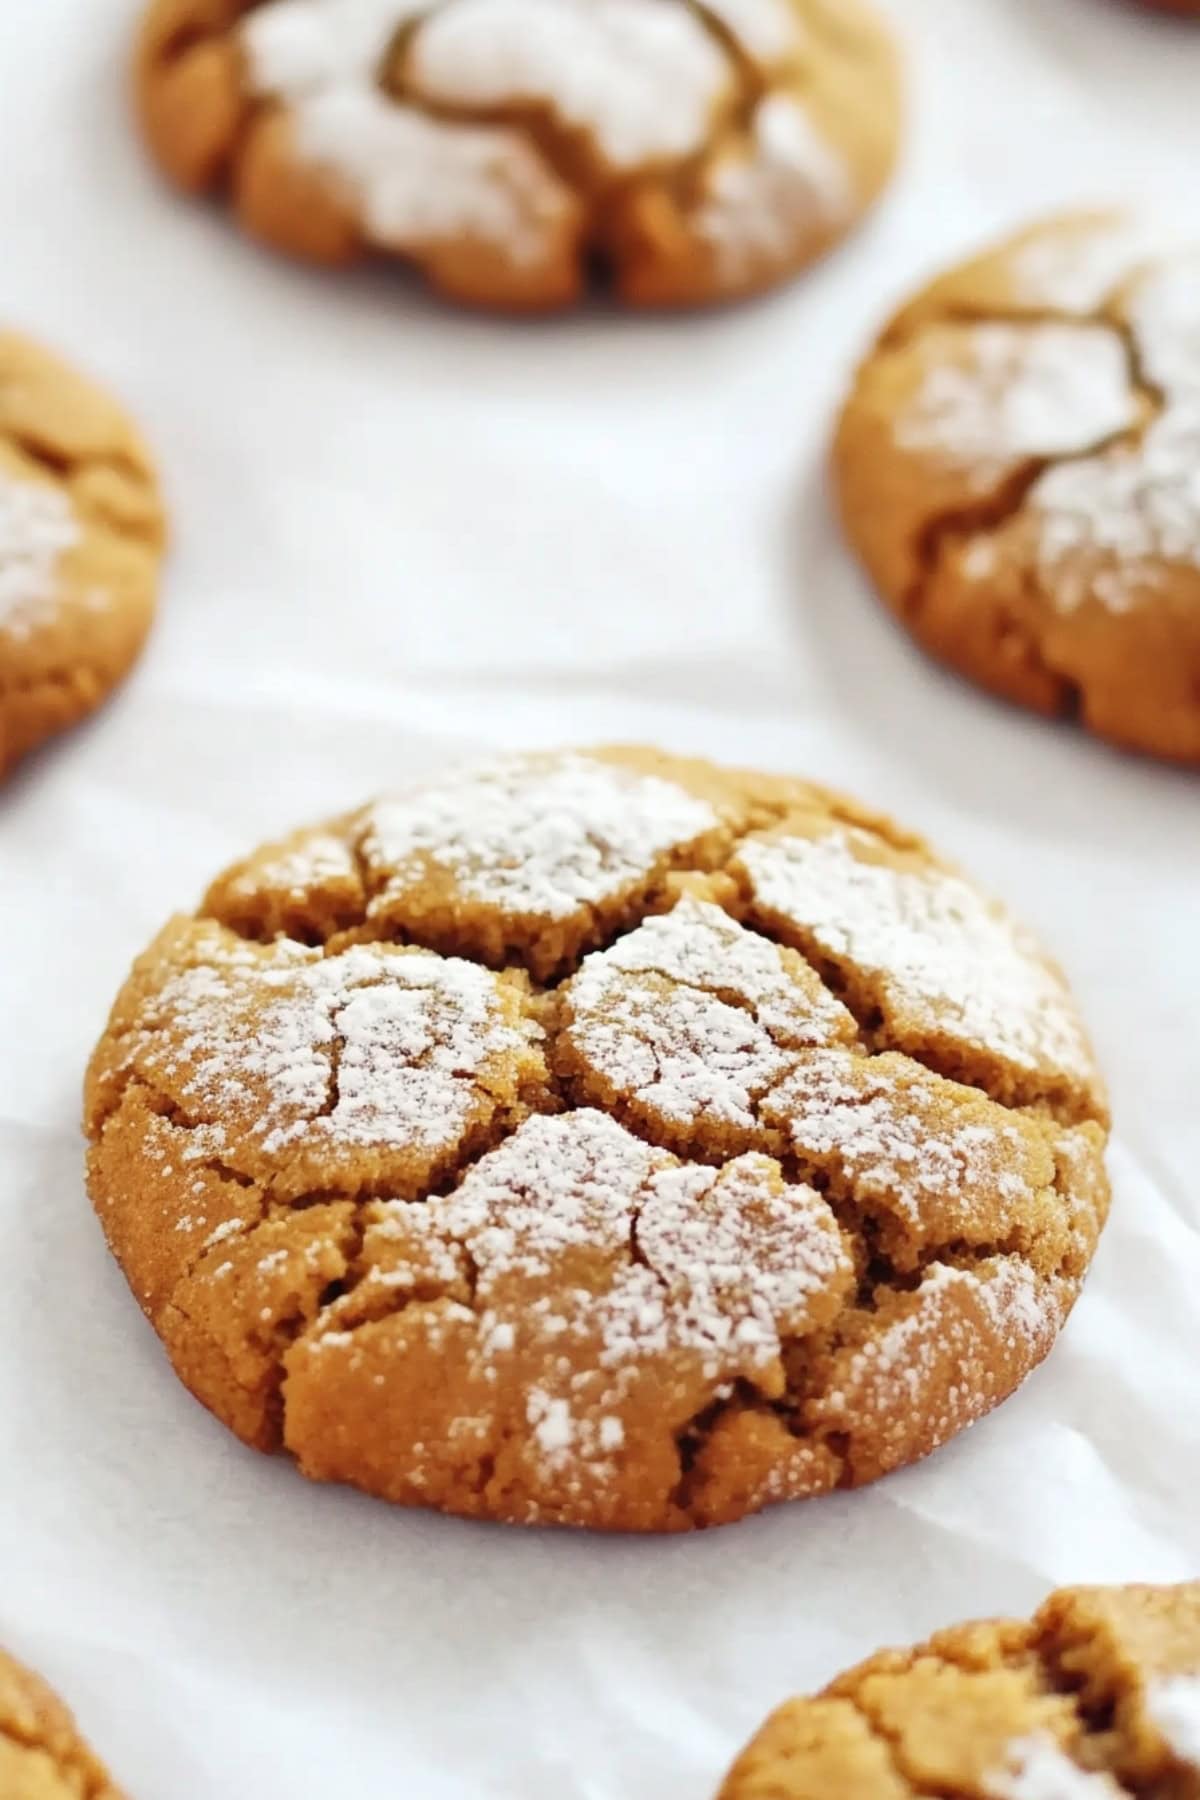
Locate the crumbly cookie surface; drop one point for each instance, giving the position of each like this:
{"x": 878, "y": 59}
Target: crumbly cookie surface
{"x": 81, "y": 534}
{"x": 687, "y": 150}
{"x": 1017, "y": 469}
{"x": 1096, "y": 1697}
{"x": 599, "y": 1138}
{"x": 42, "y": 1756}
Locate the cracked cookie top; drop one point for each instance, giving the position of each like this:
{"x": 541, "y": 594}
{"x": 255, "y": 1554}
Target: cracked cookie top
{"x": 600, "y": 1138}
{"x": 80, "y": 542}
{"x": 1098, "y": 1695}
{"x": 1017, "y": 468}
{"x": 692, "y": 150}
{"x": 42, "y": 1756}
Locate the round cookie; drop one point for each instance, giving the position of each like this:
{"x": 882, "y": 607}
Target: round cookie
{"x": 42, "y": 1756}
{"x": 1017, "y": 468}
{"x": 599, "y": 1138}
{"x": 509, "y": 149}
{"x": 1096, "y": 1697}
{"x": 81, "y": 537}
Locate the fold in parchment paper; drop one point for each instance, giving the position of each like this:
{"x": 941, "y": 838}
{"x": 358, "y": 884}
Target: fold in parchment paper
{"x": 403, "y": 535}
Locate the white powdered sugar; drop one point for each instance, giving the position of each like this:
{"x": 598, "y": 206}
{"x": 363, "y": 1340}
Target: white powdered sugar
{"x": 37, "y": 526}
{"x": 945, "y": 959}
{"x": 376, "y": 1047}
{"x": 314, "y": 861}
{"x": 1173, "y": 1704}
{"x": 893, "y": 1368}
{"x": 1038, "y": 1770}
{"x": 644, "y": 81}
{"x": 536, "y": 837}
{"x": 902, "y": 1141}
{"x": 417, "y": 181}
{"x": 642, "y": 77}
{"x": 1107, "y": 525}
{"x": 768, "y": 30}
{"x": 1020, "y": 391}
{"x": 696, "y": 1017}
{"x": 1077, "y": 269}
{"x": 726, "y": 1261}
{"x": 790, "y": 182}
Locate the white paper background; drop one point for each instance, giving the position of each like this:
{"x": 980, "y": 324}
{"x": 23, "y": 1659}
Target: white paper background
{"x": 402, "y": 534}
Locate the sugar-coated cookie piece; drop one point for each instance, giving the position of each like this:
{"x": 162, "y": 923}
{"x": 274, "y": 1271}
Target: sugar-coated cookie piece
{"x": 1096, "y": 1697}
{"x": 1018, "y": 466}
{"x": 81, "y": 537}
{"x": 42, "y": 1756}
{"x": 599, "y": 1138}
{"x": 509, "y": 149}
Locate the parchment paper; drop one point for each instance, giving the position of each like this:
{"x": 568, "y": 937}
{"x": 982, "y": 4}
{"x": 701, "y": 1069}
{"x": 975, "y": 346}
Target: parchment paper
{"x": 404, "y": 534}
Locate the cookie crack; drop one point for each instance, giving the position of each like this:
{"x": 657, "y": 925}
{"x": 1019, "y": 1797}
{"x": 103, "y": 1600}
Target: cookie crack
{"x": 73, "y": 1762}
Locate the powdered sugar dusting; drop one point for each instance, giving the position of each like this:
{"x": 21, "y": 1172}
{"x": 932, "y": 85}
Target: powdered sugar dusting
{"x": 646, "y": 83}
{"x": 726, "y": 1261}
{"x": 789, "y": 182}
{"x": 37, "y": 526}
{"x": 947, "y": 1161}
{"x": 417, "y": 181}
{"x": 1174, "y": 1706}
{"x": 375, "y": 1048}
{"x": 316, "y": 860}
{"x": 1039, "y": 1770}
{"x": 945, "y": 959}
{"x": 642, "y": 77}
{"x": 1077, "y": 269}
{"x": 1021, "y": 390}
{"x": 696, "y": 1017}
{"x": 533, "y": 836}
{"x": 890, "y": 1374}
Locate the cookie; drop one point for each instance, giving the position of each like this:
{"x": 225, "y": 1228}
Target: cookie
{"x": 1017, "y": 468}
{"x": 81, "y": 536}
{"x": 599, "y": 1138}
{"x": 511, "y": 149}
{"x": 42, "y": 1756}
{"x": 1097, "y": 1696}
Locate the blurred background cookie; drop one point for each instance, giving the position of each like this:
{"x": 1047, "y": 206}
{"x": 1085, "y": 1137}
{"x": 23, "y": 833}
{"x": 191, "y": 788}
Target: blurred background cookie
{"x": 81, "y": 538}
{"x": 511, "y": 148}
{"x": 42, "y": 1756}
{"x": 599, "y": 1139}
{"x": 1097, "y": 1697}
{"x": 1018, "y": 465}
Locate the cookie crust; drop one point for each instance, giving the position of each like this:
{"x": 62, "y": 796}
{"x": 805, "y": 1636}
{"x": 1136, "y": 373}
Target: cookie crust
{"x": 81, "y": 538}
{"x": 599, "y": 1138}
{"x": 42, "y": 1756}
{"x": 691, "y": 150}
{"x": 1096, "y": 1697}
{"x": 1015, "y": 468}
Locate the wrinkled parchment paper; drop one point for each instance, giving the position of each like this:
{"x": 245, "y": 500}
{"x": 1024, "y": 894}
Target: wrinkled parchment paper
{"x": 403, "y": 534}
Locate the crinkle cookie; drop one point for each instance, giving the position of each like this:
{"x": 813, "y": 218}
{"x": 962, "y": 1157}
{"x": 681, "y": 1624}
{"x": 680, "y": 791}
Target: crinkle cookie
{"x": 599, "y": 1138}
{"x": 81, "y": 538}
{"x": 1096, "y": 1697}
{"x": 42, "y": 1756}
{"x": 1019, "y": 469}
{"x": 686, "y": 151}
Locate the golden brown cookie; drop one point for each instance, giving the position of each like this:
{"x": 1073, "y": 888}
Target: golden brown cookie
{"x": 599, "y": 1138}
{"x": 1098, "y": 1695}
{"x": 81, "y": 537}
{"x": 686, "y": 150}
{"x": 1017, "y": 468}
{"x": 42, "y": 1756}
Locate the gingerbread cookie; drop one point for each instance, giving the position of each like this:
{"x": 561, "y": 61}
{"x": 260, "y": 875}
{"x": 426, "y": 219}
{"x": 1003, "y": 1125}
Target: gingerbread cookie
{"x": 42, "y": 1756}
{"x": 599, "y": 1138}
{"x": 1096, "y": 1697}
{"x": 1017, "y": 468}
{"x": 508, "y": 149}
{"x": 81, "y": 536}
